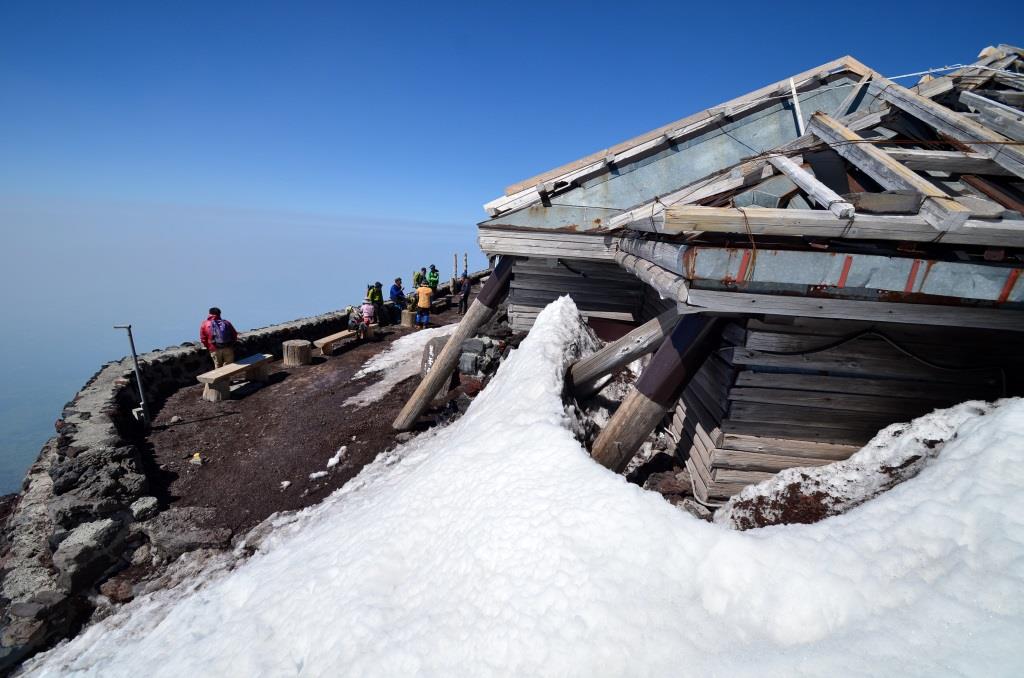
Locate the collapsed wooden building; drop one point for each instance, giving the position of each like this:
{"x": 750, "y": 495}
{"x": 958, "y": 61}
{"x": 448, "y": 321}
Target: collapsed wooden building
{"x": 811, "y": 262}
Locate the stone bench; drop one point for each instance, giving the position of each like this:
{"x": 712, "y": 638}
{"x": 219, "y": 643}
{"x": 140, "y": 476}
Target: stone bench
{"x": 327, "y": 344}
{"x": 217, "y": 382}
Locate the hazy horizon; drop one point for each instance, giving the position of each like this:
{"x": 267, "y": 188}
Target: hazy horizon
{"x": 160, "y": 268}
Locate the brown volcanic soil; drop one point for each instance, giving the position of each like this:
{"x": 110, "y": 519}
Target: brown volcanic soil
{"x": 285, "y": 430}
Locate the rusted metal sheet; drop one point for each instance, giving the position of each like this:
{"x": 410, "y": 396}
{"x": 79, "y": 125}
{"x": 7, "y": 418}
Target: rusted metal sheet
{"x": 904, "y": 276}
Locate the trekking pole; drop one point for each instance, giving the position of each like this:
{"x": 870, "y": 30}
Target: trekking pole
{"x": 138, "y": 375}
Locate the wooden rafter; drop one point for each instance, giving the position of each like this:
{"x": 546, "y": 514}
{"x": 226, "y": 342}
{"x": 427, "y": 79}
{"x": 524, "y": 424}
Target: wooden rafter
{"x": 940, "y": 210}
{"x": 957, "y": 126}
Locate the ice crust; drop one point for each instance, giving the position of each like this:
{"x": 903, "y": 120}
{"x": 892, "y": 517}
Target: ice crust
{"x": 496, "y": 546}
{"x": 399, "y": 362}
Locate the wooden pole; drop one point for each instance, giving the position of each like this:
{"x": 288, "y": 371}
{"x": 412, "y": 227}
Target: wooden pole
{"x": 480, "y": 311}
{"x": 297, "y": 352}
{"x": 585, "y": 374}
{"x": 681, "y": 354}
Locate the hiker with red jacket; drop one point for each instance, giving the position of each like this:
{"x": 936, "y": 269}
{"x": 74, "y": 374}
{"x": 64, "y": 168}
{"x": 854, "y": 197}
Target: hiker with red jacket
{"x": 218, "y": 336}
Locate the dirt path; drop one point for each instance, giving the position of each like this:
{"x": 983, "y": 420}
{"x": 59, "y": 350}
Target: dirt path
{"x": 284, "y": 431}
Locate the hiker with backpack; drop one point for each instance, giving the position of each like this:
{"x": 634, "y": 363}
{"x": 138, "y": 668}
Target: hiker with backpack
{"x": 218, "y": 336}
{"x": 433, "y": 277}
{"x": 375, "y": 294}
{"x": 423, "y": 298}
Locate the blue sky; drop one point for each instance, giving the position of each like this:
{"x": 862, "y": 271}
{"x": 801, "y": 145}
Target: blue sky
{"x": 412, "y": 110}
{"x": 272, "y": 158}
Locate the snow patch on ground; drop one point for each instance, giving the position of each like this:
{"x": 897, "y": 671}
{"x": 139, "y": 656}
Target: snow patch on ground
{"x": 333, "y": 461}
{"x": 496, "y": 546}
{"x": 399, "y": 362}
{"x": 316, "y": 475}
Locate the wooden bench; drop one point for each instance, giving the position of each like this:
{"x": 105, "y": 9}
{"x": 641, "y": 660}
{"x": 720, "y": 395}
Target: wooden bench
{"x": 326, "y": 345}
{"x": 217, "y": 383}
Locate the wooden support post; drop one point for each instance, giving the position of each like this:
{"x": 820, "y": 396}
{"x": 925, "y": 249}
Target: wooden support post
{"x": 796, "y": 108}
{"x": 938, "y": 209}
{"x": 296, "y": 352}
{"x": 657, "y": 389}
{"x": 819, "y": 192}
{"x": 585, "y": 374}
{"x": 480, "y": 311}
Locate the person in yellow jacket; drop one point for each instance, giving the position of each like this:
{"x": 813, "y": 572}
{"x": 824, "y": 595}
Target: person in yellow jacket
{"x": 423, "y": 295}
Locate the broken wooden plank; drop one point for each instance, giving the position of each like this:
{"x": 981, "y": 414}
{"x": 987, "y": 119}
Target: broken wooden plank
{"x": 819, "y": 192}
{"x": 955, "y": 125}
{"x": 940, "y": 210}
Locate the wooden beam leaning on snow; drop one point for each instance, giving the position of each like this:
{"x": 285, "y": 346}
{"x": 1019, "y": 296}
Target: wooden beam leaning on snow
{"x": 940, "y": 210}
{"x": 680, "y": 355}
{"x": 981, "y": 139}
{"x": 585, "y": 375}
{"x": 796, "y": 223}
{"x": 819, "y": 192}
{"x": 480, "y": 311}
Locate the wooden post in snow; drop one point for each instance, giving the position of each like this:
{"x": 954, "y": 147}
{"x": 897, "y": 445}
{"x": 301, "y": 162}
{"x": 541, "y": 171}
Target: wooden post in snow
{"x": 585, "y": 374}
{"x": 480, "y": 311}
{"x": 657, "y": 389}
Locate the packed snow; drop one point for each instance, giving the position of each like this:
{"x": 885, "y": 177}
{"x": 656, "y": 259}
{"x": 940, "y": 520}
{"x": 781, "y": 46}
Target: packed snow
{"x": 399, "y": 362}
{"x": 496, "y": 546}
{"x": 898, "y": 452}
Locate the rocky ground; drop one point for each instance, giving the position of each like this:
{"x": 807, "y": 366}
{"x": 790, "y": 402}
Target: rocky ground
{"x": 267, "y": 450}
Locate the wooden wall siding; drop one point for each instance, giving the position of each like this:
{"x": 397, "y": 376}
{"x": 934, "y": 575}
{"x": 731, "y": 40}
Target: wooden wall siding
{"x": 546, "y": 244}
{"x": 600, "y": 290}
{"x": 751, "y": 411}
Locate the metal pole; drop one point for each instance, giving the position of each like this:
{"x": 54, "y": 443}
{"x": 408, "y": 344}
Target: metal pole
{"x": 138, "y": 375}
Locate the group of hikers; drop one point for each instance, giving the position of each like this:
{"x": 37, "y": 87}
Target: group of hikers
{"x": 218, "y": 335}
{"x": 425, "y": 284}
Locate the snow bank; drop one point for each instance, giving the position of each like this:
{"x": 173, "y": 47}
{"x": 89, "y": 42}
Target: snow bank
{"x": 809, "y": 494}
{"x": 399, "y": 362}
{"x": 497, "y": 547}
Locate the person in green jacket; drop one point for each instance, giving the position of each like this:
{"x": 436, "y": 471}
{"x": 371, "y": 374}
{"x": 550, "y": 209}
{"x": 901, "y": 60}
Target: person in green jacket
{"x": 418, "y": 277}
{"x": 433, "y": 277}
{"x": 375, "y": 293}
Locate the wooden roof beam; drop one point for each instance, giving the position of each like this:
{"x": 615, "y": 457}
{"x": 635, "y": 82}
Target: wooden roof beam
{"x": 955, "y": 125}
{"x": 684, "y": 219}
{"x": 940, "y": 210}
{"x": 819, "y": 192}
{"x": 957, "y": 162}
